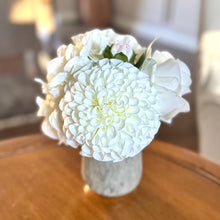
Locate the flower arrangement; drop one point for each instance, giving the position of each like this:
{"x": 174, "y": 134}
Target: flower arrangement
{"x": 109, "y": 95}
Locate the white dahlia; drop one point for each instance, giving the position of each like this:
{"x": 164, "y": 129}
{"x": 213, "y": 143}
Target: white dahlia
{"x": 108, "y": 109}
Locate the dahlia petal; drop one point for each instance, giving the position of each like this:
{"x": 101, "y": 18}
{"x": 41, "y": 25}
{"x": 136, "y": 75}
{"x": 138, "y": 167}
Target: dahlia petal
{"x": 58, "y": 79}
{"x": 67, "y": 121}
{"x": 133, "y": 110}
{"x": 82, "y": 78}
{"x": 67, "y": 110}
{"x": 97, "y": 156}
{"x": 133, "y": 101}
{"x": 72, "y": 143}
{"x": 111, "y": 133}
{"x": 68, "y": 96}
{"x": 48, "y": 130}
{"x": 115, "y": 156}
{"x": 120, "y": 125}
{"x": 68, "y": 135}
{"x": 54, "y": 120}
{"x": 61, "y": 50}
{"x": 86, "y": 149}
{"x": 107, "y": 157}
{"x": 55, "y": 66}
{"x": 127, "y": 149}
{"x": 96, "y": 148}
{"x": 43, "y": 107}
{"x": 72, "y": 129}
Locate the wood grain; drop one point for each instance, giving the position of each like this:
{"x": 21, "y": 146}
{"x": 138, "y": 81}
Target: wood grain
{"x": 41, "y": 180}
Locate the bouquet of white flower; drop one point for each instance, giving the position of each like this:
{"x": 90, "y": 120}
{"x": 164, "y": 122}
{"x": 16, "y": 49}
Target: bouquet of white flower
{"x": 108, "y": 94}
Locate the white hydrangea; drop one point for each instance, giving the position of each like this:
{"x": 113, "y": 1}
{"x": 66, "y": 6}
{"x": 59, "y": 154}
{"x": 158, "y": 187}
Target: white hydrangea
{"x": 109, "y": 107}
{"x": 93, "y": 43}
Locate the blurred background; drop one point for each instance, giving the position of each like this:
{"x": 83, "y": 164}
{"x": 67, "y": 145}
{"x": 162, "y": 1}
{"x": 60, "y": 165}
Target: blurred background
{"x": 31, "y": 31}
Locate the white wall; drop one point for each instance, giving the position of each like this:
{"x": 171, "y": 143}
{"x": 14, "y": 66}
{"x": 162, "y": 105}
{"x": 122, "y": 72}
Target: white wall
{"x": 176, "y": 22}
{"x": 210, "y": 15}
{"x": 67, "y": 10}
{"x": 208, "y": 86}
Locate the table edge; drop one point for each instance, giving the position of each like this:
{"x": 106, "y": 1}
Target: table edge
{"x": 173, "y": 153}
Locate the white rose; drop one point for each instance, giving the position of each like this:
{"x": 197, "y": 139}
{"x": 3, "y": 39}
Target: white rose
{"x": 172, "y": 79}
{"x": 171, "y": 74}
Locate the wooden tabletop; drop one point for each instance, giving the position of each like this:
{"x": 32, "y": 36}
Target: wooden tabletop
{"x": 41, "y": 180}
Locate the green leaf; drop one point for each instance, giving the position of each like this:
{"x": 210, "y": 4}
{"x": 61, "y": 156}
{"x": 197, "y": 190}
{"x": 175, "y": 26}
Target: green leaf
{"x": 107, "y": 52}
{"x": 141, "y": 60}
{"x": 132, "y": 58}
{"x": 121, "y": 56}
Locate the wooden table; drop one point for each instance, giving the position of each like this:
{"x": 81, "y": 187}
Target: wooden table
{"x": 41, "y": 180}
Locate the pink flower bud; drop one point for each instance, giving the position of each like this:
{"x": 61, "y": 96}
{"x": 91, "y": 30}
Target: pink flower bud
{"x": 124, "y": 48}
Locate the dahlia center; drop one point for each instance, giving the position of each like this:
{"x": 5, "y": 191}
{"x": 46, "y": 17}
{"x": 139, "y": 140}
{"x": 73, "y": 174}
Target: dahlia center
{"x": 110, "y": 112}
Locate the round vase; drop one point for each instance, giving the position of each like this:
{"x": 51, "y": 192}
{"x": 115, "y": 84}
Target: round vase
{"x": 112, "y": 179}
